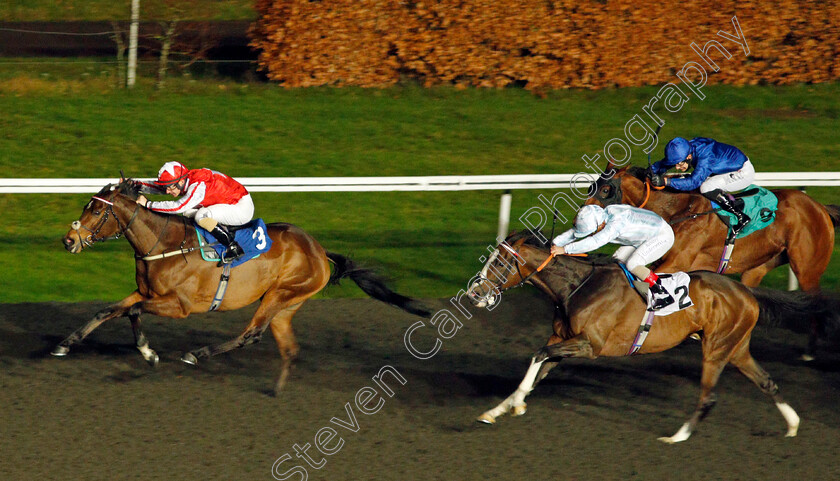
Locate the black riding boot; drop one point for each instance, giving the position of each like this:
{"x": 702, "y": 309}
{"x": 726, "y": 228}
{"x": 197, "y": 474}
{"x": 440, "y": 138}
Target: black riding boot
{"x": 234, "y": 250}
{"x": 661, "y": 297}
{"x": 727, "y": 202}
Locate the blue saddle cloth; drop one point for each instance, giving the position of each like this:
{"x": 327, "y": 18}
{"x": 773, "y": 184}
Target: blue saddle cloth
{"x": 252, "y": 237}
{"x": 760, "y": 207}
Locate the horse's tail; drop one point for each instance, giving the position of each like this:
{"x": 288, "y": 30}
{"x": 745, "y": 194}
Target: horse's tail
{"x": 373, "y": 285}
{"x": 834, "y": 213}
{"x": 775, "y": 306}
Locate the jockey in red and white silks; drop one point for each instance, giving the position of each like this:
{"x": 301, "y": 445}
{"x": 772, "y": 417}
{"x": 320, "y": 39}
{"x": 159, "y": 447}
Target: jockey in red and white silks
{"x": 643, "y": 235}
{"x": 213, "y": 199}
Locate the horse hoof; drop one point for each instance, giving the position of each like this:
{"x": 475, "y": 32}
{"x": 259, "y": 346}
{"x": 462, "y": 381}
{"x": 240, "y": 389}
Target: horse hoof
{"x": 667, "y": 440}
{"x": 807, "y": 358}
{"x": 60, "y": 351}
{"x": 153, "y": 360}
{"x": 486, "y": 419}
{"x": 188, "y": 358}
{"x": 519, "y": 410}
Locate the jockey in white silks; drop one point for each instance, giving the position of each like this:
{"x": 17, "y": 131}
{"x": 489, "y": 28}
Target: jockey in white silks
{"x": 643, "y": 235}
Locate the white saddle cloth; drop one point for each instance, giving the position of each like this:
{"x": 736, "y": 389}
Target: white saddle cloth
{"x": 677, "y": 285}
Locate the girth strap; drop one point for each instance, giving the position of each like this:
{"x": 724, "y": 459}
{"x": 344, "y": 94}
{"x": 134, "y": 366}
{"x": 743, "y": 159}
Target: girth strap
{"x": 641, "y": 335}
{"x": 220, "y": 292}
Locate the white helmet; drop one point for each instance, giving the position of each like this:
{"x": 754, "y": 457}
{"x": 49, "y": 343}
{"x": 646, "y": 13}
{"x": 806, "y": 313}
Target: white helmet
{"x": 589, "y": 217}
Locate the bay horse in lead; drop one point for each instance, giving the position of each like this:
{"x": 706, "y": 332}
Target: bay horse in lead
{"x": 597, "y": 314}
{"x": 293, "y": 270}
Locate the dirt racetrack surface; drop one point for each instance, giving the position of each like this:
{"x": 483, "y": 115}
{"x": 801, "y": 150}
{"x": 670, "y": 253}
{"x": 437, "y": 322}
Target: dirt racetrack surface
{"x": 103, "y": 413}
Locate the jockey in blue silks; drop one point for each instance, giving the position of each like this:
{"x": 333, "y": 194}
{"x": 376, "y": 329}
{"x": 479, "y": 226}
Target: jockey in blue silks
{"x": 718, "y": 169}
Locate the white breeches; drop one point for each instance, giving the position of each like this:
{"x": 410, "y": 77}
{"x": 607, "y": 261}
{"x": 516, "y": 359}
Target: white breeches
{"x": 227, "y": 214}
{"x": 648, "y": 251}
{"x": 732, "y": 181}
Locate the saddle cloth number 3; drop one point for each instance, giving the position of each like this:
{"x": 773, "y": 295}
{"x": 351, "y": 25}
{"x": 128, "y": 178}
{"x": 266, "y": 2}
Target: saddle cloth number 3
{"x": 259, "y": 234}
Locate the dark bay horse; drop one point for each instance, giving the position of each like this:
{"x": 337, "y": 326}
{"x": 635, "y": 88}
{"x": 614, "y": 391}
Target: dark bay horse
{"x": 598, "y": 314}
{"x": 293, "y": 270}
{"x": 802, "y": 234}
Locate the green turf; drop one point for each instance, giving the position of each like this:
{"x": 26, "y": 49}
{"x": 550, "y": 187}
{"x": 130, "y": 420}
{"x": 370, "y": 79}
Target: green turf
{"x": 93, "y": 10}
{"x": 429, "y": 243}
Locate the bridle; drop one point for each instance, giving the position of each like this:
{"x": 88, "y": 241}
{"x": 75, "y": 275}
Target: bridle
{"x": 94, "y": 232}
{"x": 523, "y": 279}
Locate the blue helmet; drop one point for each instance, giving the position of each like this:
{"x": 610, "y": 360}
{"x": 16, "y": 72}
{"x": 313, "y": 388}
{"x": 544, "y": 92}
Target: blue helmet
{"x": 676, "y": 151}
{"x": 589, "y": 217}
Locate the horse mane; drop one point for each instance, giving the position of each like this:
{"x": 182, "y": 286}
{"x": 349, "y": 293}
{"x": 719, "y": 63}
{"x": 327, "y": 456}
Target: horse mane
{"x": 129, "y": 188}
{"x": 530, "y": 239}
{"x": 637, "y": 172}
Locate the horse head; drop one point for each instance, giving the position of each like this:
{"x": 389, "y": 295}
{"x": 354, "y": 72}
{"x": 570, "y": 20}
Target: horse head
{"x": 506, "y": 268}
{"x": 619, "y": 186}
{"x": 104, "y": 217}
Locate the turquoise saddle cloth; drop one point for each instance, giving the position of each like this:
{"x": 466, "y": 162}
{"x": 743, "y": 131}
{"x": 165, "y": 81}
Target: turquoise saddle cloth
{"x": 760, "y": 207}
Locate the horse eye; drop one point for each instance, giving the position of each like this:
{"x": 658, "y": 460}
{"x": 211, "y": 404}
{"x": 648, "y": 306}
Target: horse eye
{"x": 605, "y": 190}
{"x": 97, "y": 212}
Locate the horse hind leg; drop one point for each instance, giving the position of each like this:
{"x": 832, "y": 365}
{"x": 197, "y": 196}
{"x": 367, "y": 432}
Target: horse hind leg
{"x": 808, "y": 265}
{"x": 708, "y": 380}
{"x": 251, "y": 335}
{"x": 281, "y": 329}
{"x": 272, "y": 304}
{"x": 749, "y": 368}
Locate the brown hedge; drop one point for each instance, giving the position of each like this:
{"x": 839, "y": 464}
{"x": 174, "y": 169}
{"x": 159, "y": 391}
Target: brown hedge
{"x": 541, "y": 44}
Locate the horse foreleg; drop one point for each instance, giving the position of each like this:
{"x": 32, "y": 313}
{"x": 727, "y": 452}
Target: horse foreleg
{"x": 538, "y": 369}
{"x": 516, "y": 401}
{"x": 747, "y": 365}
{"x": 110, "y": 312}
{"x": 575, "y": 347}
{"x": 140, "y": 339}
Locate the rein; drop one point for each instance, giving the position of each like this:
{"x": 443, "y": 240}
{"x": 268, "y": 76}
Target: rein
{"x": 92, "y": 238}
{"x": 693, "y": 216}
{"x": 546, "y": 262}
{"x": 647, "y": 194}
{"x": 160, "y": 236}
{"x": 648, "y": 187}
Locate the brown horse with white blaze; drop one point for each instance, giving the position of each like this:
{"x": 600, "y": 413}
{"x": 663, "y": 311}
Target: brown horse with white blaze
{"x": 801, "y": 235}
{"x": 598, "y": 314}
{"x": 180, "y": 283}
